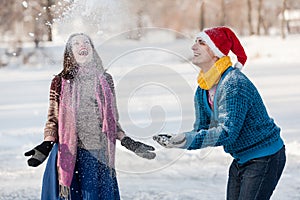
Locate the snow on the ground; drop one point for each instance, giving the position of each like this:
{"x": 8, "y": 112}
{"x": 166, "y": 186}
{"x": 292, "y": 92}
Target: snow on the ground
{"x": 155, "y": 85}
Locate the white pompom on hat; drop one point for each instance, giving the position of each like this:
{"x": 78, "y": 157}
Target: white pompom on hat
{"x": 221, "y": 40}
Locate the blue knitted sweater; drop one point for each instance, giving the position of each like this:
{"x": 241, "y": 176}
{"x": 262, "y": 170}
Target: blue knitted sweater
{"x": 239, "y": 122}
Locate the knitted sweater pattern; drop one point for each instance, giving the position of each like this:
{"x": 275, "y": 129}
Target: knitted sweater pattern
{"x": 51, "y": 127}
{"x": 240, "y": 122}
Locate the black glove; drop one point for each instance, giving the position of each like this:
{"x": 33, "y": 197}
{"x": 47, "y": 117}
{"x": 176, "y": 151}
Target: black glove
{"x": 139, "y": 148}
{"x": 39, "y": 153}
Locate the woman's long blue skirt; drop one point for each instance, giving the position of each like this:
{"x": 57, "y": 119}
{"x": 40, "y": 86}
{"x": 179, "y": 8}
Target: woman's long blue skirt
{"x": 92, "y": 180}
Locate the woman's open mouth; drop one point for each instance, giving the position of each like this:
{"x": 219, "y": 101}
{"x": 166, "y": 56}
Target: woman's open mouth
{"x": 83, "y": 52}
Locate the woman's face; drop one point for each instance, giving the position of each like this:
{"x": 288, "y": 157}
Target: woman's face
{"x": 81, "y": 49}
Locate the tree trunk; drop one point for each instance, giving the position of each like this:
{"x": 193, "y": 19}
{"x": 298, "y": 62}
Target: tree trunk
{"x": 139, "y": 24}
{"x": 49, "y": 20}
{"x": 223, "y": 13}
{"x": 202, "y": 16}
{"x": 283, "y": 21}
{"x": 251, "y": 32}
{"x": 259, "y": 18}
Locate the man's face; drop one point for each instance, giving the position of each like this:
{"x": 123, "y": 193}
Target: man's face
{"x": 203, "y": 55}
{"x": 81, "y": 49}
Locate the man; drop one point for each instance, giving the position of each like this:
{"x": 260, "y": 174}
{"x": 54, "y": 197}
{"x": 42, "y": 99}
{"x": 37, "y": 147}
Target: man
{"x": 230, "y": 113}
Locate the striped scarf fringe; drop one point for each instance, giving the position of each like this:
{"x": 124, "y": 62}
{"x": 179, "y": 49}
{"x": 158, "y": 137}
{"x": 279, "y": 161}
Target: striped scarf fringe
{"x": 64, "y": 192}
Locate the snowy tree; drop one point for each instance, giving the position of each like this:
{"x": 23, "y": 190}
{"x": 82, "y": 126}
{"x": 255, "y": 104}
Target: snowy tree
{"x": 29, "y": 20}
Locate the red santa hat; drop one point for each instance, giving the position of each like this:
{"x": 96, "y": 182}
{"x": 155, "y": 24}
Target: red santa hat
{"x": 221, "y": 40}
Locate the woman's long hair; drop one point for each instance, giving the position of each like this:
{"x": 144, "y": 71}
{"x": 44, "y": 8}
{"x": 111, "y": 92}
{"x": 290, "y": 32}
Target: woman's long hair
{"x": 70, "y": 66}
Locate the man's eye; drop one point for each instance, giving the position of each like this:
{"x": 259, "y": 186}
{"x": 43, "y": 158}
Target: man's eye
{"x": 201, "y": 42}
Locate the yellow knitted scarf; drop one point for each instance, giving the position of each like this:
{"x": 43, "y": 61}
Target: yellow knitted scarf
{"x": 207, "y": 80}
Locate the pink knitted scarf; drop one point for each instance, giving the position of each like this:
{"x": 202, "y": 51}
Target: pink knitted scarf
{"x": 69, "y": 102}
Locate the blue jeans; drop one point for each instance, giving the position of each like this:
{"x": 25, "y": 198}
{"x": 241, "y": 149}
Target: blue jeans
{"x": 255, "y": 179}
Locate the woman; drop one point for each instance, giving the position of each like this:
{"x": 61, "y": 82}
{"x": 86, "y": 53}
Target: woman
{"x": 83, "y": 121}
{"x": 230, "y": 113}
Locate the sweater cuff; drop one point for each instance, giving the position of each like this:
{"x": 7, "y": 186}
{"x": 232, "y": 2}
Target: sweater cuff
{"x": 190, "y": 136}
{"x": 50, "y": 133}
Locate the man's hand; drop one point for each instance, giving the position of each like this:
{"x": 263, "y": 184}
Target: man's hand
{"x": 171, "y": 141}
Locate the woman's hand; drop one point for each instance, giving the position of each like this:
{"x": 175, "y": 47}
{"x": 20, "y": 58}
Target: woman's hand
{"x": 139, "y": 148}
{"x": 39, "y": 153}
